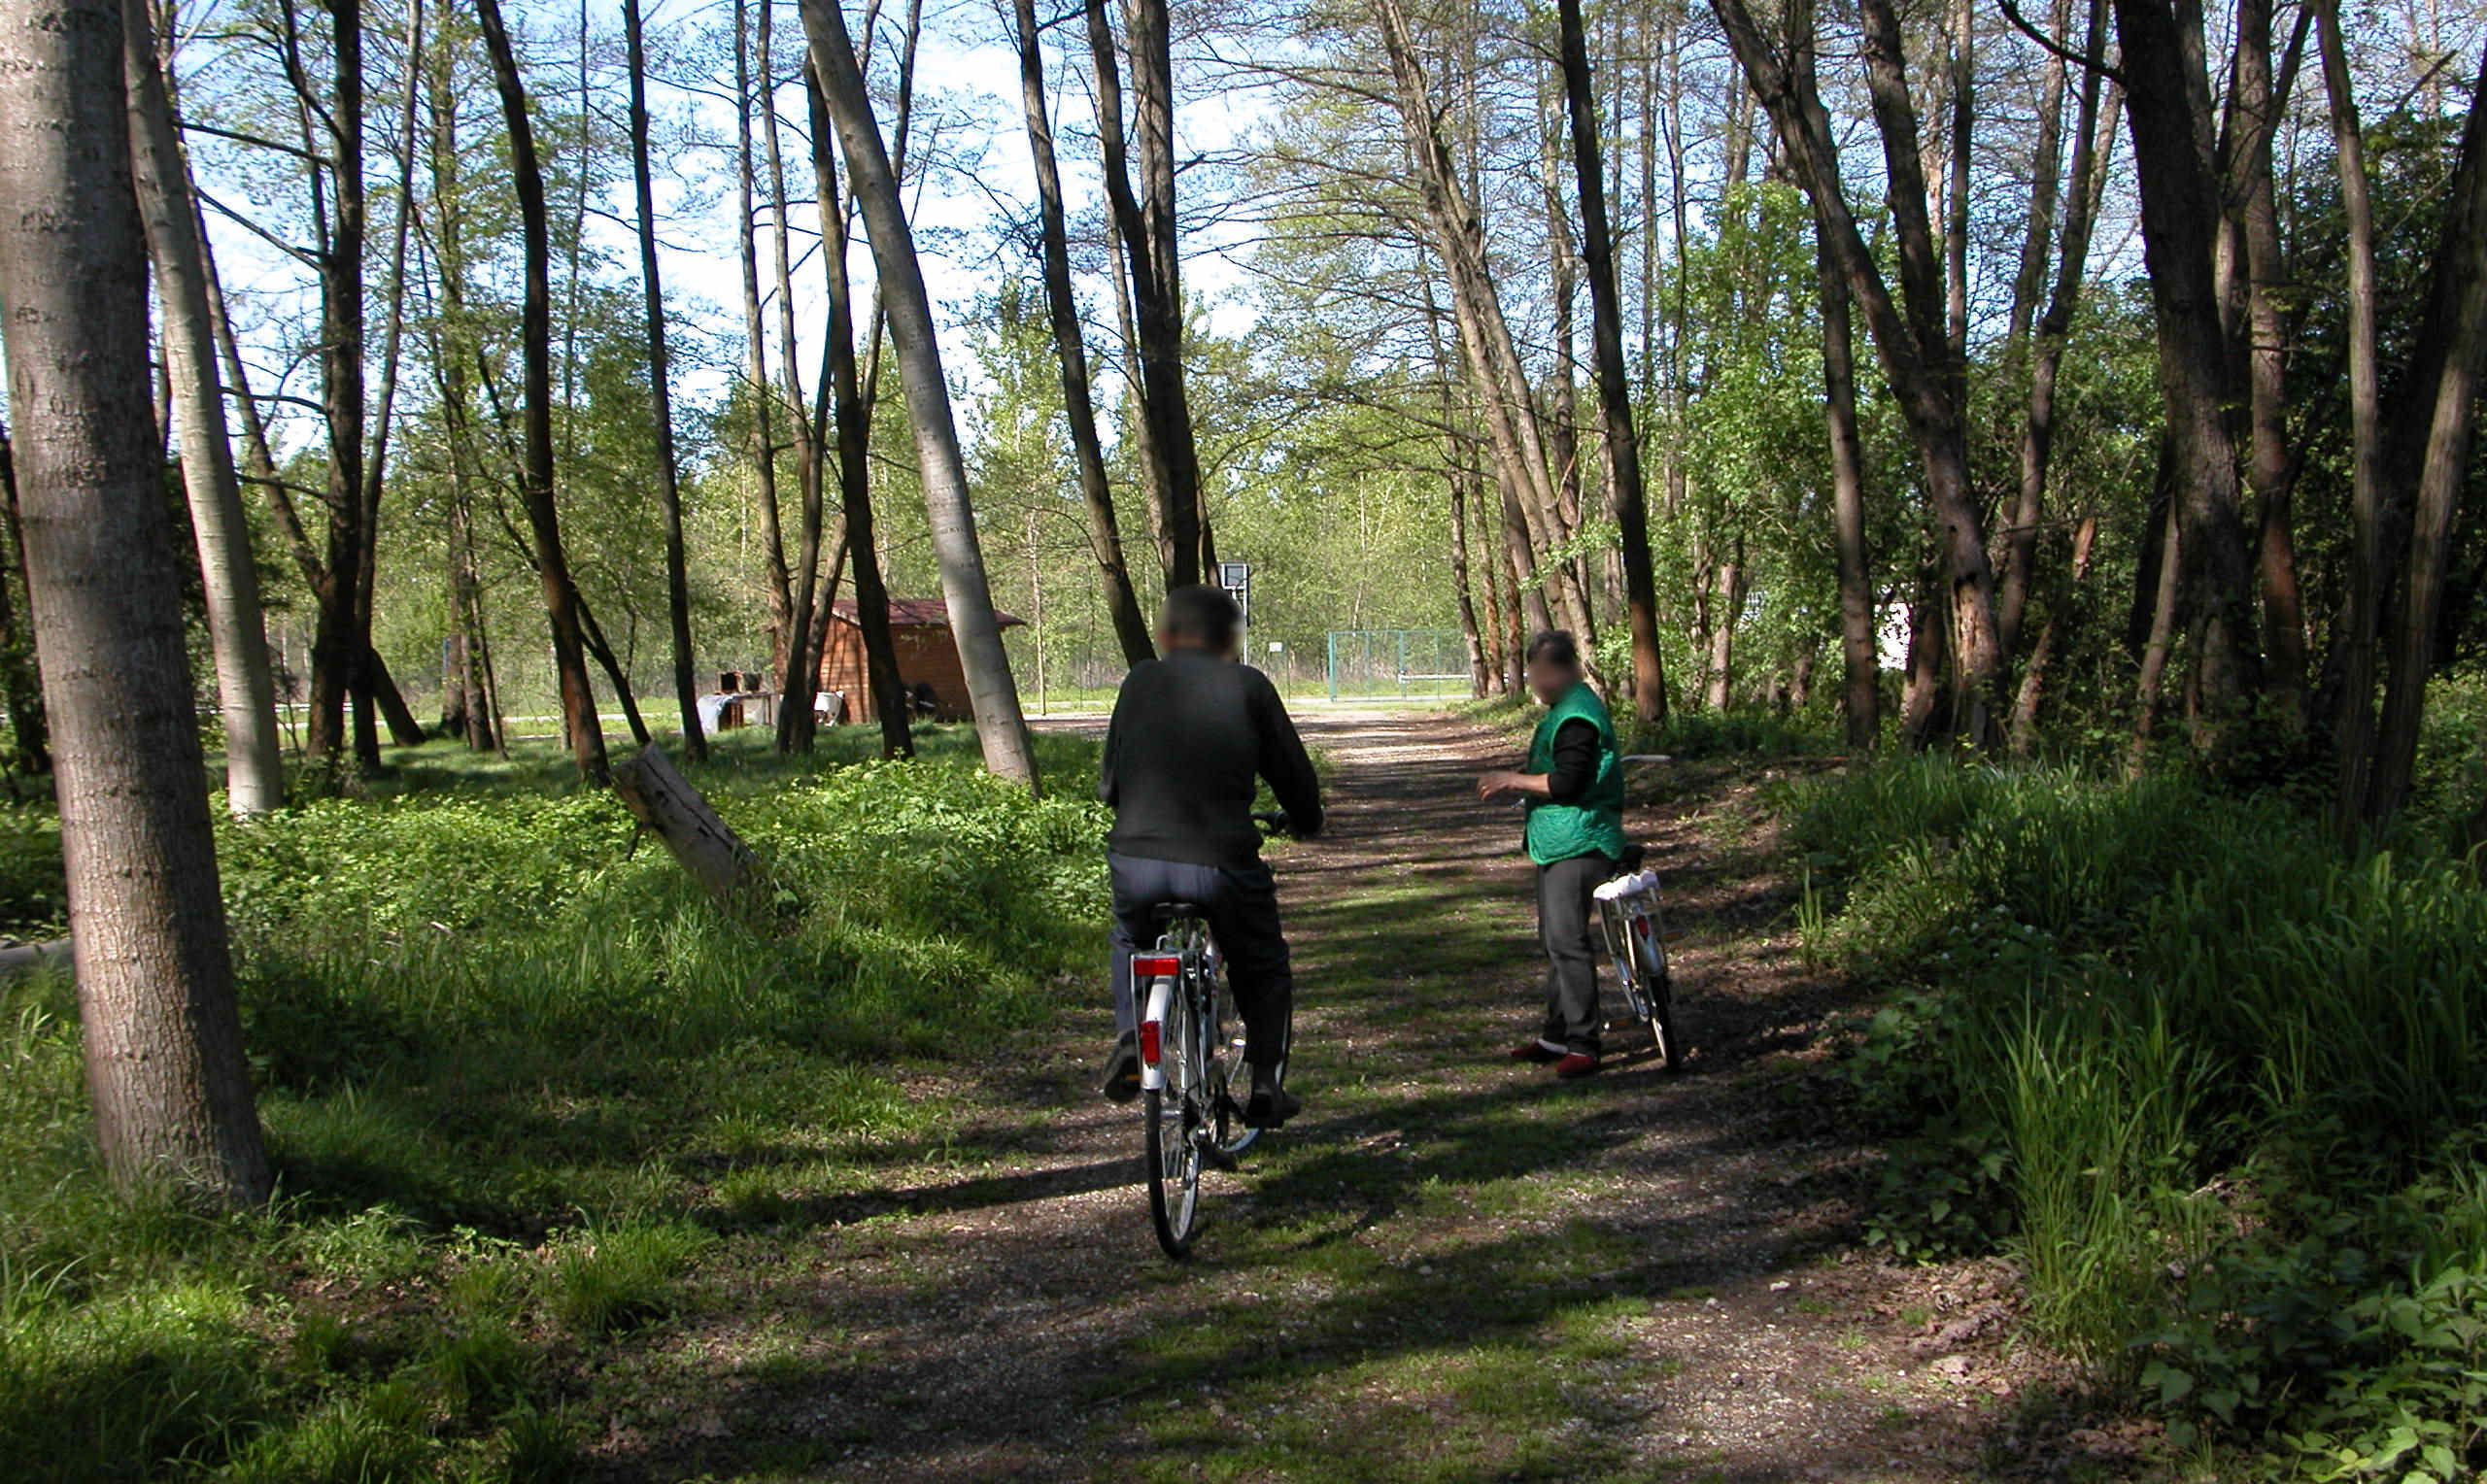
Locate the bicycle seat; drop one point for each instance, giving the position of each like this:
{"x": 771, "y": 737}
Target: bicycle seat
{"x": 1176, "y": 911}
{"x": 1633, "y": 856}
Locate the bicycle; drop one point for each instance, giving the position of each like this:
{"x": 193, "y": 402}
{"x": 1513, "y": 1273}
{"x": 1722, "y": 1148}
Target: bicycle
{"x": 1635, "y": 943}
{"x": 1191, "y": 1067}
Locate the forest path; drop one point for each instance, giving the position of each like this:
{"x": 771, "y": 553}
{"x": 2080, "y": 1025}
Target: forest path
{"x": 1449, "y": 1267}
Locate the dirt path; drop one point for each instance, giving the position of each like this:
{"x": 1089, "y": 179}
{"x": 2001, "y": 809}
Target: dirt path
{"x": 1448, "y": 1269}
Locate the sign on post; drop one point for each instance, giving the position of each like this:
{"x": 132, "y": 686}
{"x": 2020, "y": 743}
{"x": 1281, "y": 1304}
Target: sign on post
{"x": 1236, "y": 577}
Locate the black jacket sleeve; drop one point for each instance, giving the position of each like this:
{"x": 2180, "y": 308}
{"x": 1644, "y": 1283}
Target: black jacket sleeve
{"x": 1284, "y": 762}
{"x": 1575, "y": 761}
{"x": 1108, "y": 791}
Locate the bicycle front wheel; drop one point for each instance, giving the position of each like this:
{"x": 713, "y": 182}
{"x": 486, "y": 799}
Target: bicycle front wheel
{"x": 1172, "y": 1137}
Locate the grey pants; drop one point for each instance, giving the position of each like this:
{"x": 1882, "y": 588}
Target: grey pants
{"x": 1567, "y": 925}
{"x": 1242, "y": 908}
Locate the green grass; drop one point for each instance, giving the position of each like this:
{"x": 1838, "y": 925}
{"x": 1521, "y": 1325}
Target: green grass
{"x": 518, "y": 1075}
{"x": 2218, "y": 1087}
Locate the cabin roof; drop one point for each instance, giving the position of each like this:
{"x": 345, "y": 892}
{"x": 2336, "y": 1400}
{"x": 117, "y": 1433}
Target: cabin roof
{"x": 917, "y": 612}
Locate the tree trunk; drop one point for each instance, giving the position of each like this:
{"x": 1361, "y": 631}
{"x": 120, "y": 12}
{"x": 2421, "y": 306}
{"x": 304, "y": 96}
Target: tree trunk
{"x": 341, "y": 635}
{"x": 1614, "y": 381}
{"x": 2354, "y": 642}
{"x": 535, "y": 484}
{"x": 230, "y": 579}
{"x": 677, "y": 580}
{"x": 991, "y": 691}
{"x": 1860, "y": 665}
{"x": 1914, "y": 349}
{"x": 1146, "y": 224}
{"x": 1728, "y": 600}
{"x": 369, "y": 707}
{"x": 2093, "y": 139}
{"x": 800, "y": 681}
{"x": 2180, "y": 218}
{"x": 1497, "y": 371}
{"x": 2446, "y": 412}
{"x": 1104, "y": 537}
{"x": 779, "y": 581}
{"x": 2031, "y": 695}
{"x": 2257, "y": 104}
{"x": 20, "y": 688}
{"x": 2165, "y": 588}
{"x": 163, "y": 1040}
{"x": 854, "y": 443}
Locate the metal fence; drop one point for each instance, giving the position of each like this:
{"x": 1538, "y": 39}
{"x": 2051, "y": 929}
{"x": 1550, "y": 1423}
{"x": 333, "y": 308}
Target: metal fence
{"x": 1397, "y": 661}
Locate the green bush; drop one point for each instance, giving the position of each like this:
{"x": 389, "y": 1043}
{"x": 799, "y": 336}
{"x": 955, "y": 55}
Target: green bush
{"x": 2197, "y": 1071}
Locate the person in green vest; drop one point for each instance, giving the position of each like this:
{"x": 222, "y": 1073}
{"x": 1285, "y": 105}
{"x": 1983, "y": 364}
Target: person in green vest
{"x": 1573, "y": 788}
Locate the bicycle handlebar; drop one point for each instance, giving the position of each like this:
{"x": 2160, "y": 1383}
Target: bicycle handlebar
{"x": 1273, "y": 822}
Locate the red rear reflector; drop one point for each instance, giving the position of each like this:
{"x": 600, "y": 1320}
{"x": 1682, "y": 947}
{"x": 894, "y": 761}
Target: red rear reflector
{"x": 1150, "y": 1047}
{"x": 1156, "y": 968}
{"x": 1640, "y": 925}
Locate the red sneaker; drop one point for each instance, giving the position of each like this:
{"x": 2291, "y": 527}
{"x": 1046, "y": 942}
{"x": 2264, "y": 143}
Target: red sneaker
{"x": 1578, "y": 1064}
{"x": 1538, "y": 1052}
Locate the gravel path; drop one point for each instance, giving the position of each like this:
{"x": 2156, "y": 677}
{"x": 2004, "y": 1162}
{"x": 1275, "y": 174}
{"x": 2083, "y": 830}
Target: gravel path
{"x": 1448, "y": 1269}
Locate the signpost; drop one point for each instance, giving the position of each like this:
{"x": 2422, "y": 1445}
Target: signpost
{"x": 1236, "y": 577}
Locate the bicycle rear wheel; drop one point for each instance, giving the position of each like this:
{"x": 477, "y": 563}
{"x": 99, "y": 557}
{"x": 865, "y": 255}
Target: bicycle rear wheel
{"x": 1173, "y": 1115}
{"x": 1658, "y": 992}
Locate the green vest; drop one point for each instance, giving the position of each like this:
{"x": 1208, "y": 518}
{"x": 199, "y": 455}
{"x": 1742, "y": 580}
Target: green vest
{"x": 1594, "y": 824}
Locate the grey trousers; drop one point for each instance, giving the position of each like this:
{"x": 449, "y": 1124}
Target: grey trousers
{"x": 1242, "y": 908}
{"x": 1567, "y": 926}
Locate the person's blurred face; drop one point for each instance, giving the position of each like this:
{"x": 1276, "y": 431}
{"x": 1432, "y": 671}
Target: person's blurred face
{"x": 1549, "y": 679}
{"x": 1169, "y": 639}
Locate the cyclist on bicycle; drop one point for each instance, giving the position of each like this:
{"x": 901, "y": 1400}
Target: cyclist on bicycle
{"x": 1574, "y": 789}
{"x": 1191, "y": 732}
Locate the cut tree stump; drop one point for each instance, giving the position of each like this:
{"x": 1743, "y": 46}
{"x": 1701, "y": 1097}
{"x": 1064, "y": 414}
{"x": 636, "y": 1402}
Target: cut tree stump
{"x": 664, "y": 802}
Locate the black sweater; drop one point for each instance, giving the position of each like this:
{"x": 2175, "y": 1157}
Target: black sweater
{"x": 1575, "y": 761}
{"x": 1189, "y": 735}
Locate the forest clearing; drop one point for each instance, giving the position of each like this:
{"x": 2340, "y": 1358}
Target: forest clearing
{"x": 563, "y": 570}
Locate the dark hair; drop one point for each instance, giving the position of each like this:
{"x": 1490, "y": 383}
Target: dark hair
{"x": 1203, "y": 615}
{"x": 1554, "y": 645}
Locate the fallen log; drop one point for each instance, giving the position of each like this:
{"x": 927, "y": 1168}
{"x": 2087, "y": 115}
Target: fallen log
{"x": 666, "y": 804}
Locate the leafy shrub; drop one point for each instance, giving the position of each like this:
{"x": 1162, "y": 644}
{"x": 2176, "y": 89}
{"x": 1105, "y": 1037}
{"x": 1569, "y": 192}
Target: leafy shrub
{"x": 2143, "y": 1017}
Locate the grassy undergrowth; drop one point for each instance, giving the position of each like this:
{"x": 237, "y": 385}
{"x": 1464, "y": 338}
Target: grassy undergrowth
{"x": 515, "y": 1074}
{"x": 2221, "y": 1089}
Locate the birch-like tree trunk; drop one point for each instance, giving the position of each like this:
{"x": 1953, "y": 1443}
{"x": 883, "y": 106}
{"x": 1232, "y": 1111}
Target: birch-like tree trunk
{"x": 163, "y": 1040}
{"x": 228, "y": 576}
{"x": 992, "y": 692}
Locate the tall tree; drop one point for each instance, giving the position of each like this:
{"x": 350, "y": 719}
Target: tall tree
{"x": 975, "y": 628}
{"x": 228, "y": 576}
{"x": 1104, "y": 537}
{"x": 536, "y": 336}
{"x": 1614, "y": 377}
{"x": 163, "y": 1040}
{"x": 1912, "y": 341}
{"x": 677, "y": 580}
{"x": 777, "y": 577}
{"x": 2166, "y": 107}
{"x": 2438, "y": 422}
{"x": 854, "y": 440}
{"x": 1145, "y": 222}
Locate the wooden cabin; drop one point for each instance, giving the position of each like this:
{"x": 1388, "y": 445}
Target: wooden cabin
{"x": 926, "y": 658}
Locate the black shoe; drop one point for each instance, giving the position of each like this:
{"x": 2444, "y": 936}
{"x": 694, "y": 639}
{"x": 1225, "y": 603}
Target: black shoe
{"x": 1120, "y": 1081}
{"x": 1270, "y": 1106}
